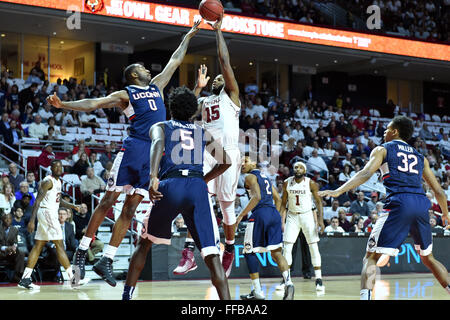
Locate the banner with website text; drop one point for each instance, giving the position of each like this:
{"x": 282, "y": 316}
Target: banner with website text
{"x": 159, "y": 13}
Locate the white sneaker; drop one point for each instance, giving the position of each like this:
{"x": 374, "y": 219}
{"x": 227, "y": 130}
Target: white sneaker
{"x": 76, "y": 284}
{"x": 27, "y": 283}
{"x": 281, "y": 286}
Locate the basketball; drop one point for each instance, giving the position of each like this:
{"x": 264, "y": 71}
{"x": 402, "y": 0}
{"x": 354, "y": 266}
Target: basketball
{"x": 210, "y": 10}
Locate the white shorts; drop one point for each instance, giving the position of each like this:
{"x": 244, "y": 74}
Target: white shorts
{"x": 300, "y": 222}
{"x": 48, "y": 227}
{"x": 225, "y": 185}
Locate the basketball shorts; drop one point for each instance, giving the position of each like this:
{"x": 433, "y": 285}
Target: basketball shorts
{"x": 300, "y": 222}
{"x": 48, "y": 226}
{"x": 131, "y": 169}
{"x": 225, "y": 185}
{"x": 263, "y": 231}
{"x": 403, "y": 213}
{"x": 188, "y": 196}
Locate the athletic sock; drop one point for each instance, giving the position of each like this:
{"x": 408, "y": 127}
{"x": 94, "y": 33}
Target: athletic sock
{"x": 229, "y": 247}
{"x": 27, "y": 273}
{"x": 190, "y": 244}
{"x": 69, "y": 272}
{"x": 318, "y": 274}
{"x": 365, "y": 294}
{"x": 85, "y": 243}
{"x": 110, "y": 252}
{"x": 257, "y": 286}
{"x": 287, "y": 277}
{"x": 128, "y": 292}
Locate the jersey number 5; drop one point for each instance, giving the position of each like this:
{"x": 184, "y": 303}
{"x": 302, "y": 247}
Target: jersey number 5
{"x": 407, "y": 167}
{"x": 188, "y": 141}
{"x": 212, "y": 113}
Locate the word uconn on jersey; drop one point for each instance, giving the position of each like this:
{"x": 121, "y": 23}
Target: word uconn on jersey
{"x": 145, "y": 94}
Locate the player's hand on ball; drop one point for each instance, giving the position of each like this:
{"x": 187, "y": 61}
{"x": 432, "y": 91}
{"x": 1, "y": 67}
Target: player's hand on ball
{"x": 154, "y": 194}
{"x": 202, "y": 79}
{"x": 217, "y": 25}
{"x": 54, "y": 101}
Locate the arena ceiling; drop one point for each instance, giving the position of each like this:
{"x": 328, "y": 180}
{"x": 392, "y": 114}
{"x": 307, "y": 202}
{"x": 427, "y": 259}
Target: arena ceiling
{"x": 144, "y": 36}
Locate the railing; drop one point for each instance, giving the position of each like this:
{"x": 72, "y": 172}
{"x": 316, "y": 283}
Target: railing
{"x": 24, "y": 159}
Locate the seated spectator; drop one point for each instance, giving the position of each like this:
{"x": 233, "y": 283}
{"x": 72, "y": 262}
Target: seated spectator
{"x": 37, "y": 129}
{"x": 344, "y": 176}
{"x": 435, "y": 227}
{"x": 360, "y": 205}
{"x": 25, "y": 205}
{"x": 425, "y": 133}
{"x": 7, "y": 198}
{"x": 343, "y": 221}
{"x": 63, "y": 135}
{"x": 370, "y": 222}
{"x": 80, "y": 167}
{"x": 32, "y": 183}
{"x": 444, "y": 145}
{"x": 81, "y": 220}
{"x": 24, "y": 190}
{"x": 178, "y": 224}
{"x": 47, "y": 156}
{"x": 45, "y": 112}
{"x": 18, "y": 220}
{"x": 79, "y": 149}
{"x": 14, "y": 176}
{"x": 334, "y": 226}
{"x": 95, "y": 163}
{"x": 359, "y": 226}
{"x": 91, "y": 184}
{"x": 316, "y": 163}
{"x": 70, "y": 243}
{"x": 8, "y": 247}
{"x": 330, "y": 212}
{"x": 373, "y": 201}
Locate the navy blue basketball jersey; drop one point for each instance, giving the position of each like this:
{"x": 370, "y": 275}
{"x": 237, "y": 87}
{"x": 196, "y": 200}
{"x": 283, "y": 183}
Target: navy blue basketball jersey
{"x": 184, "y": 146}
{"x": 402, "y": 168}
{"x": 145, "y": 109}
{"x": 265, "y": 187}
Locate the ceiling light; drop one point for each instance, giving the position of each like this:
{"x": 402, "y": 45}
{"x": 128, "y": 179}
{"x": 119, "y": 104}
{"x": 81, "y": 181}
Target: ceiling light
{"x": 54, "y": 33}
{"x": 62, "y": 42}
{"x": 317, "y": 64}
{"x": 335, "y": 61}
{"x": 3, "y": 35}
{"x": 250, "y": 63}
{"x": 276, "y": 60}
{"x": 143, "y": 38}
{"x": 432, "y": 78}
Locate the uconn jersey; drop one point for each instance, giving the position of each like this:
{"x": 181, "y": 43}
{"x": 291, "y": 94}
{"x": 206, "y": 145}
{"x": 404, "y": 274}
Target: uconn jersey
{"x": 184, "y": 190}
{"x": 131, "y": 168}
{"x": 263, "y": 231}
{"x": 406, "y": 208}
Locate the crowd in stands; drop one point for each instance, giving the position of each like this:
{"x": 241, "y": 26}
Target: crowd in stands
{"x": 425, "y": 20}
{"x": 333, "y": 139}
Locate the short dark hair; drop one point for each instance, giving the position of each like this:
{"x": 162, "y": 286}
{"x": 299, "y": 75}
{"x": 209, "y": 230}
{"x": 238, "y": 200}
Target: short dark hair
{"x": 128, "y": 71}
{"x": 405, "y": 127}
{"x": 182, "y": 104}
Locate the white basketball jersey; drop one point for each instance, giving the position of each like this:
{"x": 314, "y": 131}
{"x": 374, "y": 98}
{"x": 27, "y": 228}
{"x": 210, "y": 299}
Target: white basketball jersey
{"x": 52, "y": 197}
{"x": 299, "y": 195}
{"x": 220, "y": 116}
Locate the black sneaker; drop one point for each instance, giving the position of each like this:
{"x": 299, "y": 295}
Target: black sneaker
{"x": 289, "y": 292}
{"x": 252, "y": 296}
{"x": 27, "y": 283}
{"x": 104, "y": 269}
{"x": 319, "y": 285}
{"x": 79, "y": 261}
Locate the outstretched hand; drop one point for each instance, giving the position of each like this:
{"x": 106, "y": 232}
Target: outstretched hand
{"x": 216, "y": 25}
{"x": 194, "y": 28}
{"x": 202, "y": 79}
{"x": 329, "y": 193}
{"x": 54, "y": 101}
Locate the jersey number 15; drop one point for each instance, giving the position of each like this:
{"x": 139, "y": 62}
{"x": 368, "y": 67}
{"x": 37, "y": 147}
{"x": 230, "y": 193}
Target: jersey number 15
{"x": 212, "y": 113}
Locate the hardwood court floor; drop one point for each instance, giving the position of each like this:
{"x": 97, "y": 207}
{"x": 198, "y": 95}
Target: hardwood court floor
{"x": 410, "y": 286}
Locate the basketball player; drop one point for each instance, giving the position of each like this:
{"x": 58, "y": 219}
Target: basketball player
{"x": 45, "y": 208}
{"x": 263, "y": 232}
{"x": 177, "y": 155}
{"x": 220, "y": 116}
{"x": 298, "y": 191}
{"x": 142, "y": 102}
{"x": 406, "y": 207}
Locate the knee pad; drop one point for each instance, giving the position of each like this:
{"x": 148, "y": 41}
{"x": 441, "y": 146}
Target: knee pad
{"x": 252, "y": 262}
{"x": 287, "y": 252}
{"x": 228, "y": 213}
{"x": 315, "y": 255}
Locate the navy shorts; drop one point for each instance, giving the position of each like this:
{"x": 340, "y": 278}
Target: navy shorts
{"x": 188, "y": 196}
{"x": 263, "y": 231}
{"x": 402, "y": 214}
{"x": 131, "y": 169}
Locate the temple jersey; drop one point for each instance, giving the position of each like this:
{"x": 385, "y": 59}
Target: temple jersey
{"x": 402, "y": 168}
{"x": 299, "y": 195}
{"x": 220, "y": 116}
{"x": 146, "y": 107}
{"x": 265, "y": 187}
{"x": 184, "y": 147}
{"x": 52, "y": 197}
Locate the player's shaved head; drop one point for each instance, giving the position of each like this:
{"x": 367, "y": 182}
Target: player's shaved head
{"x": 137, "y": 74}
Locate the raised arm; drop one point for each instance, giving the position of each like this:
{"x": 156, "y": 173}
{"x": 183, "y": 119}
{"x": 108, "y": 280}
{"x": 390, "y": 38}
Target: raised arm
{"x": 162, "y": 79}
{"x": 43, "y": 188}
{"x": 315, "y": 192}
{"x": 231, "y": 85}
{"x": 115, "y": 99}
{"x": 376, "y": 159}
{"x": 441, "y": 198}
